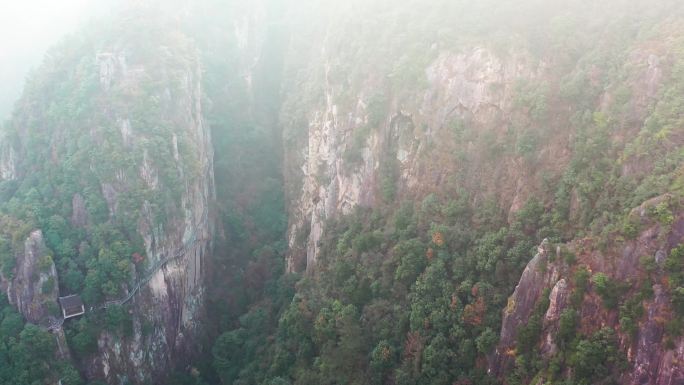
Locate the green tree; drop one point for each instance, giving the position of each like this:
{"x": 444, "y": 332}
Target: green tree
{"x": 486, "y": 341}
{"x": 594, "y": 359}
{"x": 411, "y": 260}
{"x": 39, "y": 343}
{"x": 228, "y": 354}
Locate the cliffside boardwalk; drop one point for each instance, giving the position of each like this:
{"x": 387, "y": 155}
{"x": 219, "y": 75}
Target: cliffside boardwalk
{"x": 54, "y": 323}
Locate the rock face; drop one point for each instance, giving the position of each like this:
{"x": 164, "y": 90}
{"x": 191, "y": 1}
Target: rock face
{"x": 351, "y": 147}
{"x": 558, "y": 300}
{"x": 171, "y": 297}
{"x": 145, "y": 154}
{"x": 360, "y": 137}
{"x": 537, "y": 276}
{"x": 651, "y": 361}
{"x": 7, "y": 162}
{"x": 34, "y": 287}
{"x": 439, "y": 126}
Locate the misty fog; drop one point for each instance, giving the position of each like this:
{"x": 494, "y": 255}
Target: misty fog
{"x": 341, "y": 192}
{"x": 27, "y": 29}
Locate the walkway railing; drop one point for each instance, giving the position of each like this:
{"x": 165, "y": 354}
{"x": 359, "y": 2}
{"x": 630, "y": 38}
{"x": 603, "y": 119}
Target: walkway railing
{"x": 54, "y": 323}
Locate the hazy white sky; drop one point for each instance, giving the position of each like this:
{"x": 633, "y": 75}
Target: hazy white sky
{"x": 27, "y": 29}
{"x": 25, "y": 22}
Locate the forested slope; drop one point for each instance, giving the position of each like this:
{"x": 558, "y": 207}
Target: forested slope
{"x": 372, "y": 192}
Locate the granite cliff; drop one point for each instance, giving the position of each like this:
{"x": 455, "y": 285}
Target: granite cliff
{"x": 140, "y": 177}
{"x": 354, "y": 189}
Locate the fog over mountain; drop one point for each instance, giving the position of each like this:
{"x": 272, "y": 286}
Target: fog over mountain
{"x": 27, "y": 29}
{"x": 304, "y": 192}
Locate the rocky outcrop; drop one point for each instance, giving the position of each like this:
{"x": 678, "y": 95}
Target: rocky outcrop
{"x": 648, "y": 349}
{"x": 651, "y": 361}
{"x": 476, "y": 83}
{"x": 497, "y": 121}
{"x": 558, "y": 300}
{"x": 351, "y": 147}
{"x": 140, "y": 160}
{"x": 34, "y": 287}
{"x": 7, "y": 162}
{"x": 170, "y": 300}
{"x": 111, "y": 65}
{"x": 538, "y": 275}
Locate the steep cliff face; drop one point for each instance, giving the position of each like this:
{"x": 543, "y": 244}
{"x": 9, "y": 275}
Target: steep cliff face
{"x": 33, "y": 287}
{"x": 128, "y": 160}
{"x": 171, "y": 288}
{"x": 413, "y": 142}
{"x": 653, "y": 354}
{"x": 422, "y": 113}
{"x": 588, "y": 129}
{"x": 467, "y": 138}
{"x": 537, "y": 276}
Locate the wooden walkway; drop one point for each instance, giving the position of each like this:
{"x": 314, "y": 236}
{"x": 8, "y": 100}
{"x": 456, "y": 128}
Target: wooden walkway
{"x": 54, "y": 323}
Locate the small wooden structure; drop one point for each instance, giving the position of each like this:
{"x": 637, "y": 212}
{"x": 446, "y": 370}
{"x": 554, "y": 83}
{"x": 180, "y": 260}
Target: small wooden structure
{"x": 72, "y": 306}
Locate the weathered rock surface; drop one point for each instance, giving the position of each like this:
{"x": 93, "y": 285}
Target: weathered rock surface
{"x": 558, "y": 299}
{"x": 171, "y": 300}
{"x": 7, "y": 162}
{"x": 340, "y": 166}
{"x": 467, "y": 105}
{"x": 537, "y": 276}
{"x": 34, "y": 287}
{"x": 651, "y": 362}
{"x": 148, "y": 111}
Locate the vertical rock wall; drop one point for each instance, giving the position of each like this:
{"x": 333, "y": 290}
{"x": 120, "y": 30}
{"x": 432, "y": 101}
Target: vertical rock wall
{"x": 353, "y": 142}
{"x": 651, "y": 361}
{"x": 138, "y": 133}
{"x": 176, "y": 249}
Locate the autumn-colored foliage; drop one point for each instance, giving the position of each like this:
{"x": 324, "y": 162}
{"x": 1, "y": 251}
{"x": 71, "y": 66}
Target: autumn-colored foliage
{"x": 473, "y": 313}
{"x": 386, "y": 353}
{"x": 430, "y": 253}
{"x": 438, "y": 238}
{"x": 413, "y": 346}
{"x": 454, "y": 302}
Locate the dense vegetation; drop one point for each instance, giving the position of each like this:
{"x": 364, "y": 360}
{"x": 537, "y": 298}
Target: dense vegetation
{"x": 410, "y": 291}
{"x": 408, "y": 296}
{"x": 26, "y": 352}
{"x": 78, "y": 179}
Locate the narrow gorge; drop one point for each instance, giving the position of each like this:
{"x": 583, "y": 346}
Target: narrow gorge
{"x": 365, "y": 192}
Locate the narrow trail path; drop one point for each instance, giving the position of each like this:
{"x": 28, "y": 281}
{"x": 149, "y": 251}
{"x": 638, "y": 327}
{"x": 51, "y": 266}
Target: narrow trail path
{"x": 54, "y": 323}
